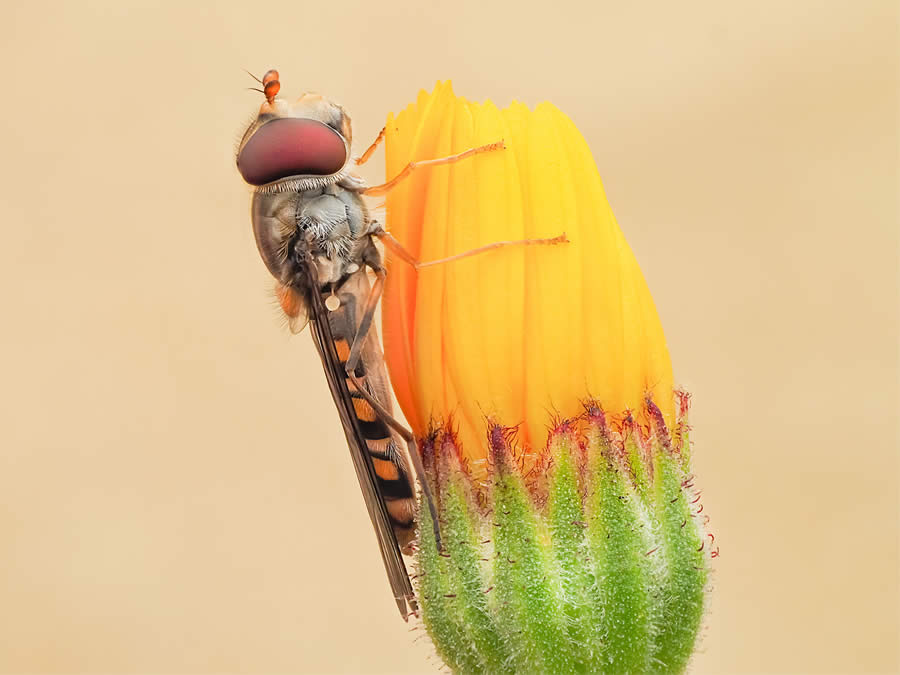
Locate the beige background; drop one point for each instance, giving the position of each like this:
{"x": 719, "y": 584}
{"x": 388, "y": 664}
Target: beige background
{"x": 175, "y": 493}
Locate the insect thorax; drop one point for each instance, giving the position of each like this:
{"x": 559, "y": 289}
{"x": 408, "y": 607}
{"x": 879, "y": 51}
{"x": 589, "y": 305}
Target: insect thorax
{"x": 328, "y": 226}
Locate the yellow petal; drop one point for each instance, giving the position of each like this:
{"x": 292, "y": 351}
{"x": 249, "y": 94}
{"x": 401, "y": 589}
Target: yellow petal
{"x": 518, "y": 334}
{"x": 409, "y": 136}
{"x": 554, "y": 351}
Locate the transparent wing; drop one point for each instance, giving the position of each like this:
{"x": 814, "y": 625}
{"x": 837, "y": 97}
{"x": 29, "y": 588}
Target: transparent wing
{"x": 365, "y": 472}
{"x": 297, "y": 323}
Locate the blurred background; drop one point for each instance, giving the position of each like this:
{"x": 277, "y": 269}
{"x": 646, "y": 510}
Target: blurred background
{"x": 175, "y": 490}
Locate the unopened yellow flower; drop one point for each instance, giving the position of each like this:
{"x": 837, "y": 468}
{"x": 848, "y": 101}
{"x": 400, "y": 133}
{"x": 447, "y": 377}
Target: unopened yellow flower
{"x": 522, "y": 334}
{"x": 588, "y": 552}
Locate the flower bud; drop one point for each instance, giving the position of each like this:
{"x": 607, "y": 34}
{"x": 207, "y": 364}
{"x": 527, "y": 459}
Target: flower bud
{"x": 572, "y": 537}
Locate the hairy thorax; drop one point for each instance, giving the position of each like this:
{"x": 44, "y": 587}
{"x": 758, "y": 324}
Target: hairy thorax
{"x": 329, "y": 223}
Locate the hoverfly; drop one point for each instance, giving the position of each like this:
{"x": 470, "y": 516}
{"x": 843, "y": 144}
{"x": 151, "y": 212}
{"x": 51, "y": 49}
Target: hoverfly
{"x": 317, "y": 238}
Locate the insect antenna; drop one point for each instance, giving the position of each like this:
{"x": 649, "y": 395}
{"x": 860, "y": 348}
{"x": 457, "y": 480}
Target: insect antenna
{"x": 253, "y": 76}
{"x": 270, "y": 83}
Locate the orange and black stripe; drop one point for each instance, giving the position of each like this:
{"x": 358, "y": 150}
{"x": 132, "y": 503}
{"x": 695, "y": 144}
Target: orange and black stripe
{"x": 392, "y": 479}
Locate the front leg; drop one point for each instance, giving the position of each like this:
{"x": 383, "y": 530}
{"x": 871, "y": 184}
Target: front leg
{"x": 371, "y": 149}
{"x": 377, "y": 190}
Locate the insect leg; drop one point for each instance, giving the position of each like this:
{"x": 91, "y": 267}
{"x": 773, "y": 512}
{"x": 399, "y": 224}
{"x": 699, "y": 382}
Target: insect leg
{"x": 412, "y": 166}
{"x": 371, "y": 149}
{"x": 411, "y": 450}
{"x": 397, "y": 248}
{"x": 350, "y": 367}
{"x": 366, "y": 320}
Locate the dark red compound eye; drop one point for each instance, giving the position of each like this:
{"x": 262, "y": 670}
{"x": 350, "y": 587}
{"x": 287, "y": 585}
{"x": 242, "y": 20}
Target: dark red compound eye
{"x": 291, "y": 147}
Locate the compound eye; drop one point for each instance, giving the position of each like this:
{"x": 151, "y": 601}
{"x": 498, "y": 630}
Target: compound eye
{"x": 291, "y": 147}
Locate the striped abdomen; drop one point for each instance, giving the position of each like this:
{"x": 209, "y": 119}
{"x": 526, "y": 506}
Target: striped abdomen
{"x": 391, "y": 473}
{"x": 393, "y": 478}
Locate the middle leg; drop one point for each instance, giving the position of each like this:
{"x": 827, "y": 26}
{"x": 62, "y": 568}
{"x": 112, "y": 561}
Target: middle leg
{"x": 400, "y": 251}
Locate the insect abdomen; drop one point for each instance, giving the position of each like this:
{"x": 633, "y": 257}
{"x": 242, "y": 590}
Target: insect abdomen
{"x": 393, "y": 480}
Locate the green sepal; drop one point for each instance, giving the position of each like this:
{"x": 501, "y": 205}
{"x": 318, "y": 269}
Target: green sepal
{"x": 565, "y": 510}
{"x": 594, "y": 561}
{"x": 635, "y": 458}
{"x": 437, "y": 588}
{"x": 529, "y": 608}
{"x": 620, "y": 539}
{"x": 459, "y": 526}
{"x": 682, "y": 599}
